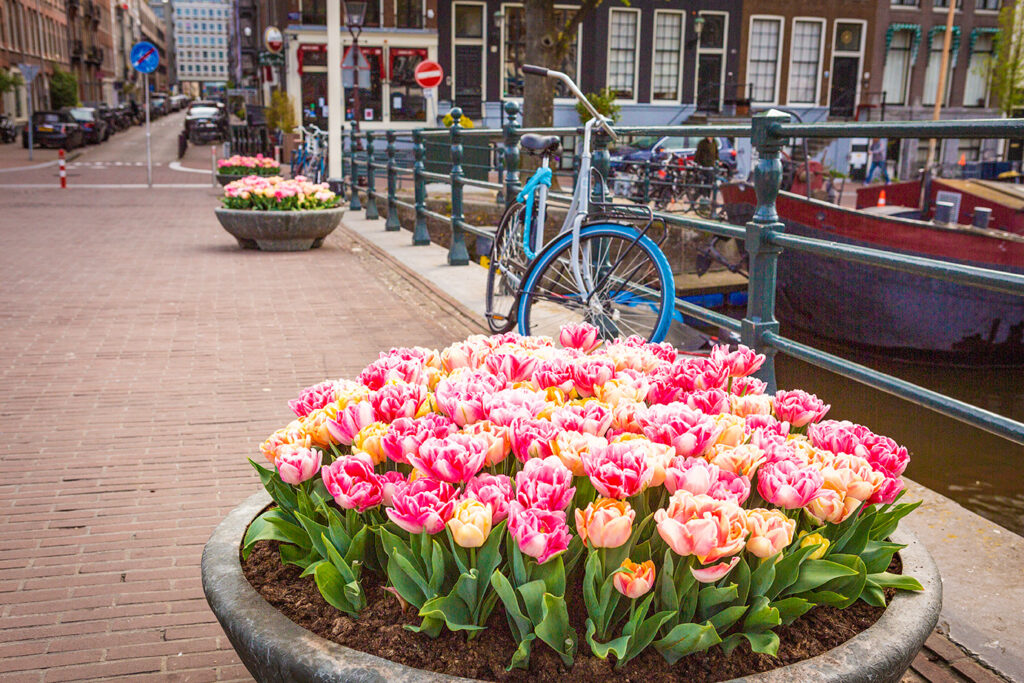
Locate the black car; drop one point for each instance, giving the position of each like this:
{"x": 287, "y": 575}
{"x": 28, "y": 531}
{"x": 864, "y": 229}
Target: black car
{"x": 108, "y": 114}
{"x": 204, "y": 123}
{"x": 54, "y": 129}
{"x": 95, "y": 128}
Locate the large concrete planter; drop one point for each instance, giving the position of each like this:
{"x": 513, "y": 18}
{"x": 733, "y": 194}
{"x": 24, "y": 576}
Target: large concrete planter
{"x": 274, "y": 648}
{"x": 280, "y": 230}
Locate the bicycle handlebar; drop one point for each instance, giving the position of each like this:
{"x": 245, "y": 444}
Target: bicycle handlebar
{"x": 551, "y": 73}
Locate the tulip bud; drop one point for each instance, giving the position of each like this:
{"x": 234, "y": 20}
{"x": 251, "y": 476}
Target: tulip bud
{"x": 636, "y": 580}
{"x": 815, "y": 539}
{"x": 470, "y": 523}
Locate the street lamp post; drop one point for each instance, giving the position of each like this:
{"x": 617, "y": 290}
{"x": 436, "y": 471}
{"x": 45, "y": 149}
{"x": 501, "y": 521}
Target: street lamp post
{"x": 355, "y": 15}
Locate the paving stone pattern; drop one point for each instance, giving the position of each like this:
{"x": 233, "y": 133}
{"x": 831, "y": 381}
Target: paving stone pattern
{"x": 144, "y": 356}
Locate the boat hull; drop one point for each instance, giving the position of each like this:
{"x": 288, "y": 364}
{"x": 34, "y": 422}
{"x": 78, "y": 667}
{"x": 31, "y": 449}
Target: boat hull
{"x": 895, "y": 312}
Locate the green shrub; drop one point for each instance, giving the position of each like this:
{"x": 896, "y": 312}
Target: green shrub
{"x": 603, "y": 101}
{"x": 281, "y": 112}
{"x": 63, "y": 89}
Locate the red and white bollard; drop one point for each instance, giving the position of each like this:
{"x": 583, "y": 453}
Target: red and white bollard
{"x": 63, "y": 171}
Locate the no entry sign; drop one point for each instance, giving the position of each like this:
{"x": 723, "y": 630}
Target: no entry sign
{"x": 428, "y": 74}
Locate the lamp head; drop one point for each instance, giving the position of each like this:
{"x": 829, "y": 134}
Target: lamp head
{"x": 355, "y": 13}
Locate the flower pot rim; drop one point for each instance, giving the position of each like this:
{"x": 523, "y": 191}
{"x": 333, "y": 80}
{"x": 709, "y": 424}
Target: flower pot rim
{"x": 275, "y": 648}
{"x": 275, "y": 212}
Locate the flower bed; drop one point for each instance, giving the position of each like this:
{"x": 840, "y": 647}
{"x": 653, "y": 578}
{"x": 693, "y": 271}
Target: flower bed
{"x": 258, "y": 165}
{"x": 277, "y": 194}
{"x": 706, "y": 513}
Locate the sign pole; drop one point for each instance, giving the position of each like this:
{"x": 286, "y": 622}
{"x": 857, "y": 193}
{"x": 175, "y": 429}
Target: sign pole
{"x": 335, "y": 98}
{"x": 149, "y": 156}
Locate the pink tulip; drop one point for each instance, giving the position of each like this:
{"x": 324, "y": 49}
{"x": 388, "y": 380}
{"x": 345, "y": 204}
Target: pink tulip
{"x": 390, "y": 482}
{"x": 293, "y": 433}
{"x": 494, "y": 491}
{"x": 714, "y": 572}
{"x": 423, "y": 505}
{"x": 296, "y": 464}
{"x": 765, "y": 431}
{"x": 590, "y": 418}
{"x": 702, "y": 526}
{"x": 730, "y": 486}
{"x": 626, "y": 416}
{"x": 619, "y": 470}
{"x": 739, "y": 363}
{"x": 751, "y": 404}
{"x": 582, "y": 336}
{"x": 395, "y": 400}
{"x": 708, "y": 401}
{"x": 799, "y": 408}
{"x": 313, "y": 398}
{"x": 454, "y": 459}
{"x": 502, "y": 407}
{"x": 679, "y": 426}
{"x": 771, "y": 532}
{"x": 884, "y": 454}
{"x": 788, "y": 485}
{"x": 636, "y": 580}
{"x": 352, "y": 482}
{"x": 404, "y": 436}
{"x": 392, "y": 369}
{"x": 514, "y": 366}
{"x": 554, "y": 372}
{"x": 887, "y": 492}
{"x": 462, "y": 401}
{"x": 532, "y": 438}
{"x": 541, "y": 534}
{"x": 695, "y": 475}
{"x": 746, "y": 386}
{"x": 605, "y": 523}
{"x": 350, "y": 421}
{"x": 697, "y": 373}
{"x": 854, "y": 475}
{"x": 589, "y": 373}
{"x": 544, "y": 483}
{"x": 665, "y": 387}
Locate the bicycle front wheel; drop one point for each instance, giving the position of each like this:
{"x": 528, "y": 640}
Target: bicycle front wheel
{"x": 628, "y": 286}
{"x": 505, "y": 271}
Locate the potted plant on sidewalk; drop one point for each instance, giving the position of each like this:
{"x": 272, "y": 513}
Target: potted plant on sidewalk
{"x": 274, "y": 214}
{"x": 582, "y": 512}
{"x": 233, "y": 168}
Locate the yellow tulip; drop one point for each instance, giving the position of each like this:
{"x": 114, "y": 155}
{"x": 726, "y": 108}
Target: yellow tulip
{"x": 470, "y": 523}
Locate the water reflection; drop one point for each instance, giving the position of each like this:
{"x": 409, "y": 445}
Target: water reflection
{"x": 980, "y": 471}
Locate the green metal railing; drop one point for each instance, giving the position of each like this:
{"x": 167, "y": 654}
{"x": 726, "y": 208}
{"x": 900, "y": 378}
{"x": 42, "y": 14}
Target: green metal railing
{"x": 764, "y": 235}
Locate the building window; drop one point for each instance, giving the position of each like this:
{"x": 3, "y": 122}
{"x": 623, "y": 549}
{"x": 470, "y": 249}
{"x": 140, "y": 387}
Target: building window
{"x": 765, "y": 37}
{"x": 897, "y": 68}
{"x": 409, "y": 13}
{"x": 407, "y": 102}
{"x": 978, "y": 68}
{"x": 931, "y": 74}
{"x": 945, "y": 3}
{"x": 514, "y": 28}
{"x": 805, "y": 56}
{"x": 622, "y": 45}
{"x": 469, "y": 21}
{"x": 987, "y": 5}
{"x": 668, "y": 46}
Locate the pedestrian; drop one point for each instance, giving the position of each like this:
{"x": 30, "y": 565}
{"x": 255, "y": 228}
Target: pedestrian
{"x": 706, "y": 157}
{"x": 878, "y": 154}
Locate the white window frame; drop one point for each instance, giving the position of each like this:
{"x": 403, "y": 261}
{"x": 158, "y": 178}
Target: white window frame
{"x": 636, "y": 52}
{"x": 821, "y": 59}
{"x": 847, "y": 53}
{"x": 907, "y": 69}
{"x": 682, "y": 54}
{"x": 503, "y": 42}
{"x": 986, "y": 77}
{"x": 723, "y": 51}
{"x": 481, "y": 41}
{"x": 989, "y": 12}
{"x": 781, "y": 21}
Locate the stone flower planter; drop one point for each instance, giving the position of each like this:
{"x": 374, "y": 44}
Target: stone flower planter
{"x": 280, "y": 230}
{"x": 225, "y": 178}
{"x": 273, "y": 648}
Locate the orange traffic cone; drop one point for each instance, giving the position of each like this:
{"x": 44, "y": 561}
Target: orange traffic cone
{"x": 963, "y": 160}
{"x": 881, "y": 198}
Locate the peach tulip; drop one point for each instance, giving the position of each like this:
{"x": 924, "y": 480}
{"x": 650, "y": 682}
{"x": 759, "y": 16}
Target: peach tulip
{"x": 636, "y": 579}
{"x": 605, "y": 523}
{"x": 702, "y": 526}
{"x": 771, "y": 531}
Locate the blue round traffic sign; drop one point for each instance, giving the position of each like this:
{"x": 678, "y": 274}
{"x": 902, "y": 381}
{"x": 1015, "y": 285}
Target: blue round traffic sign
{"x": 145, "y": 57}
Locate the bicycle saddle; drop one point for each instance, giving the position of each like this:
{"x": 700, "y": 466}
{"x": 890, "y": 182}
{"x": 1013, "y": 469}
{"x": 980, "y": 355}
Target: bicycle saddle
{"x": 540, "y": 144}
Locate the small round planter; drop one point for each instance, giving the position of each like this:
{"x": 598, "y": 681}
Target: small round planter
{"x": 280, "y": 230}
{"x": 225, "y": 178}
{"x": 273, "y": 648}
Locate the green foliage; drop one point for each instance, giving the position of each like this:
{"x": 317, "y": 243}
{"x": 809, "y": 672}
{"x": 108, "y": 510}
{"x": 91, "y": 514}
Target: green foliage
{"x": 603, "y": 101}
{"x": 9, "y": 81}
{"x": 281, "y": 112}
{"x": 63, "y": 89}
{"x": 1006, "y": 66}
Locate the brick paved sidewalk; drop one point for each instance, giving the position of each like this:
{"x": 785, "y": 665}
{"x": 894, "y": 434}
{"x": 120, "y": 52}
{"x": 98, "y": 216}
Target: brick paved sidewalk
{"x": 144, "y": 356}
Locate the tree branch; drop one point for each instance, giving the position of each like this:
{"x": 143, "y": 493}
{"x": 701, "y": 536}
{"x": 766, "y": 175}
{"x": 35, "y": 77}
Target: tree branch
{"x": 564, "y": 40}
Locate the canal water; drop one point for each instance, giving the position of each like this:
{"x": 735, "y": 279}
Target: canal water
{"x": 982, "y": 472}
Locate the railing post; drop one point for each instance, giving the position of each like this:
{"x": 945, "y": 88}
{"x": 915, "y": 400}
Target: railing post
{"x": 354, "y": 204}
{"x": 647, "y": 182}
{"x": 764, "y": 257}
{"x": 371, "y": 196}
{"x": 420, "y": 235}
{"x": 499, "y": 166}
{"x": 602, "y": 162}
{"x": 511, "y": 132}
{"x": 392, "y": 223}
{"x": 457, "y": 253}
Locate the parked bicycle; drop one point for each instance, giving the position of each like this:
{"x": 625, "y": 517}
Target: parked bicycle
{"x": 310, "y": 159}
{"x": 602, "y": 267}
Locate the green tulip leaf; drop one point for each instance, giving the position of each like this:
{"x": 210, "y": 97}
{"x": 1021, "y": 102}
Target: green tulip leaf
{"x": 897, "y": 581}
{"x": 685, "y": 639}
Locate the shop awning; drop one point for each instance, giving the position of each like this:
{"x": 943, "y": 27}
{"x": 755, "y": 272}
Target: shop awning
{"x": 977, "y": 32}
{"x": 954, "y": 47}
{"x": 915, "y": 40}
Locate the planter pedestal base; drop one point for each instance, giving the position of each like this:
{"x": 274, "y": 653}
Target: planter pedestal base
{"x": 280, "y": 230}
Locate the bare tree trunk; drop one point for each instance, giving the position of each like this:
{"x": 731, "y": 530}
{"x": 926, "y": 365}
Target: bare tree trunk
{"x": 541, "y": 36}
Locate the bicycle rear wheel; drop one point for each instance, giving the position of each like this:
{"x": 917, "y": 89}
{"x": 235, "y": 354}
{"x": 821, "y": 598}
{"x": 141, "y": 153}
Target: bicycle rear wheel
{"x": 508, "y": 264}
{"x": 630, "y": 286}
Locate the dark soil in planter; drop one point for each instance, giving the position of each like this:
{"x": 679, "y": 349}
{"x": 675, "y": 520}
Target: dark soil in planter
{"x": 379, "y": 631}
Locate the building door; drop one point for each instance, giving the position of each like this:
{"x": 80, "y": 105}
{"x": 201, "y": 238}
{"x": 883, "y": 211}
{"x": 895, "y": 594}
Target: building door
{"x": 709, "y": 82}
{"x": 845, "y": 71}
{"x": 468, "y": 79}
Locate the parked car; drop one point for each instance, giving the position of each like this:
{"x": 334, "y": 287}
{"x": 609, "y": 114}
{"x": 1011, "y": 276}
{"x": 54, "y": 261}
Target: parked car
{"x": 205, "y": 122}
{"x": 54, "y": 129}
{"x": 94, "y": 127}
{"x": 660, "y": 148}
{"x": 107, "y": 113}
{"x": 157, "y": 106}
{"x": 178, "y": 102}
